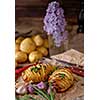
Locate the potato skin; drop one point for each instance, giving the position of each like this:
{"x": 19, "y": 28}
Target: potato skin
{"x": 62, "y": 79}
{"x": 35, "y": 56}
{"x": 46, "y": 44}
{"x": 20, "y": 57}
{"x": 19, "y": 39}
{"x": 27, "y": 45}
{"x": 43, "y": 50}
{"x": 38, "y": 40}
{"x": 17, "y": 47}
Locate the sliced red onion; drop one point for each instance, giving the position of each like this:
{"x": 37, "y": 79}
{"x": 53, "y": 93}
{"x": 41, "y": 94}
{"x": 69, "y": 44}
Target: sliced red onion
{"x": 30, "y": 88}
{"x": 41, "y": 85}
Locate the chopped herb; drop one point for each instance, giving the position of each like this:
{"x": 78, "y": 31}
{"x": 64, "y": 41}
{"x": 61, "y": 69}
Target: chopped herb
{"x": 62, "y": 75}
{"x": 34, "y": 69}
{"x": 55, "y": 68}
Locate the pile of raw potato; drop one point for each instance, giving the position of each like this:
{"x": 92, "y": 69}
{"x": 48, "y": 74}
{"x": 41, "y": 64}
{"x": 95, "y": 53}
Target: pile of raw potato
{"x": 30, "y": 49}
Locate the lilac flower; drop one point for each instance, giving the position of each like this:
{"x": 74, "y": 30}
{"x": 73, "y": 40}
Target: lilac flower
{"x": 41, "y": 85}
{"x": 54, "y": 23}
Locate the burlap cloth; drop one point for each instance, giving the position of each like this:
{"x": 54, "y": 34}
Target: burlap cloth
{"x": 76, "y": 92}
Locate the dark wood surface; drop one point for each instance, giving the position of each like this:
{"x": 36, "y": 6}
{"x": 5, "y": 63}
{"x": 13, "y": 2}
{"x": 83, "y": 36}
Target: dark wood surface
{"x": 36, "y": 8}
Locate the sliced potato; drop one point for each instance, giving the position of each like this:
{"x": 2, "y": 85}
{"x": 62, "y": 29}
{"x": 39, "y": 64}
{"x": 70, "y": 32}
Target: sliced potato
{"x": 20, "y": 57}
{"x": 19, "y": 39}
{"x": 27, "y": 45}
{"x": 43, "y": 50}
{"x": 38, "y": 40}
{"x": 34, "y": 56}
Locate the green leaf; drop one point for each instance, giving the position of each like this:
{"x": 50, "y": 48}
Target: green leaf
{"x": 51, "y": 92}
{"x": 42, "y": 93}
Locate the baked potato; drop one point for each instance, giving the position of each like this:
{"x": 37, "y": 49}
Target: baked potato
{"x": 27, "y": 45}
{"x": 61, "y": 79}
{"x": 37, "y": 72}
{"x": 20, "y": 57}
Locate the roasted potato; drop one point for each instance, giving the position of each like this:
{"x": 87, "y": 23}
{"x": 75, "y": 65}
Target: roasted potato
{"x": 61, "y": 79}
{"x": 37, "y": 72}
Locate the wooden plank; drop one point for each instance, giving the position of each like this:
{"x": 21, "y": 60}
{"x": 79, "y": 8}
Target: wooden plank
{"x": 31, "y": 2}
{"x": 37, "y": 8}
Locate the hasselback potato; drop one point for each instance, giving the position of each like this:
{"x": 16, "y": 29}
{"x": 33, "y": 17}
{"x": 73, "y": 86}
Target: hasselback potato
{"x": 61, "y": 79}
{"x": 37, "y": 72}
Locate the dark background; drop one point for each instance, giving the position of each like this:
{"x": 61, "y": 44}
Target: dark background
{"x": 36, "y": 8}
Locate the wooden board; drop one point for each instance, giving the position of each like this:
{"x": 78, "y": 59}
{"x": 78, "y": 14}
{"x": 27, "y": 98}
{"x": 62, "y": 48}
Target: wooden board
{"x": 38, "y": 7}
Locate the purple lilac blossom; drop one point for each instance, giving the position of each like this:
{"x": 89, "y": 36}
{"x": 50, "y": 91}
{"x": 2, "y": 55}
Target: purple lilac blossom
{"x": 54, "y": 23}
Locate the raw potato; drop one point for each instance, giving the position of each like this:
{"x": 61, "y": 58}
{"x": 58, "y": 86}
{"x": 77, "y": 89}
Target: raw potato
{"x": 16, "y": 64}
{"x": 34, "y": 56}
{"x": 33, "y": 37}
{"x": 17, "y": 47}
{"x": 20, "y": 57}
{"x": 38, "y": 40}
{"x": 43, "y": 50}
{"x": 19, "y": 39}
{"x": 46, "y": 44}
{"x": 27, "y": 45}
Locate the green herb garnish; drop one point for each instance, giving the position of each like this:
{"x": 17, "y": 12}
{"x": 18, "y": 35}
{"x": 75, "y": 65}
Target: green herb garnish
{"x": 41, "y": 93}
{"x": 34, "y": 69}
{"x": 51, "y": 92}
{"x": 62, "y": 75}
